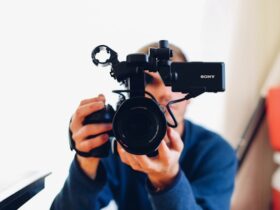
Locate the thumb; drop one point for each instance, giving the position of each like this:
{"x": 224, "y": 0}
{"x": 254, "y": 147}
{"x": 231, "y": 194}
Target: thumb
{"x": 175, "y": 139}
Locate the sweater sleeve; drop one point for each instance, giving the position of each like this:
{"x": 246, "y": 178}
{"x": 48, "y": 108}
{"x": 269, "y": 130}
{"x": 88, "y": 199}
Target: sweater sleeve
{"x": 81, "y": 192}
{"x": 210, "y": 188}
{"x": 178, "y": 195}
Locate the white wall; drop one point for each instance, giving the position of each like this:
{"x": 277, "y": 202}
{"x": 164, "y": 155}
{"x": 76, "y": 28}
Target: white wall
{"x": 253, "y": 52}
{"x": 217, "y": 33}
{"x": 45, "y": 68}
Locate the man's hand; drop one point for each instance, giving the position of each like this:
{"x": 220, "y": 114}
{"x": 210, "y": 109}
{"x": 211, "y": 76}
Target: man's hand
{"x": 81, "y": 132}
{"x": 161, "y": 170}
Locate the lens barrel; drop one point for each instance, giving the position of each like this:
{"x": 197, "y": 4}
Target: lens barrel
{"x": 139, "y": 125}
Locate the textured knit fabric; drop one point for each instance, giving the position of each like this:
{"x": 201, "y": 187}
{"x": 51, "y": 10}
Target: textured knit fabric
{"x": 205, "y": 180}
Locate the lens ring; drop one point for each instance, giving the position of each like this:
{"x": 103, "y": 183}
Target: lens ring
{"x": 139, "y": 125}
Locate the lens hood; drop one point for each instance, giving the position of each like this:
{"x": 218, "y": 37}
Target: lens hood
{"x": 139, "y": 125}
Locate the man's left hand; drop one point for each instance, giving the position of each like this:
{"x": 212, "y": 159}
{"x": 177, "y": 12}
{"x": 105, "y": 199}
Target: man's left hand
{"x": 162, "y": 169}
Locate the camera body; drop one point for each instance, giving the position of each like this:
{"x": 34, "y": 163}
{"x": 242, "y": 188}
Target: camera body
{"x": 139, "y": 122}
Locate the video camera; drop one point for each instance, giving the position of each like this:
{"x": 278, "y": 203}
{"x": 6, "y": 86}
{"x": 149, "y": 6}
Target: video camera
{"x": 139, "y": 122}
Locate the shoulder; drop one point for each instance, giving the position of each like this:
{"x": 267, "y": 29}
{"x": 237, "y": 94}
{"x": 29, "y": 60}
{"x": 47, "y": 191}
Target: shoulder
{"x": 201, "y": 138}
{"x": 207, "y": 148}
{"x": 210, "y": 165}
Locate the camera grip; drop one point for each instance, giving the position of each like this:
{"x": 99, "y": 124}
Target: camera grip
{"x": 100, "y": 152}
{"x": 102, "y": 116}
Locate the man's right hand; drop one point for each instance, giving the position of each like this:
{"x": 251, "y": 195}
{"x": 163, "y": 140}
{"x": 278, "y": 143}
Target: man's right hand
{"x": 80, "y": 133}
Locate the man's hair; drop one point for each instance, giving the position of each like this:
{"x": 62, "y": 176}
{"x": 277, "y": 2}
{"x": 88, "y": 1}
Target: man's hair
{"x": 176, "y": 50}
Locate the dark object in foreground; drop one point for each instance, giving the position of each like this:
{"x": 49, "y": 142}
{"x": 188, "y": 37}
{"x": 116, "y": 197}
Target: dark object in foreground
{"x": 139, "y": 123}
{"x": 18, "y": 191}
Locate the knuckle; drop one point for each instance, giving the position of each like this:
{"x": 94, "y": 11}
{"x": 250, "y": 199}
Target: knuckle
{"x": 74, "y": 126}
{"x": 82, "y": 148}
{"x": 168, "y": 162}
{"x": 101, "y": 95}
{"x": 90, "y": 130}
{"x": 71, "y": 127}
{"x": 83, "y": 102}
{"x": 87, "y": 146}
{"x": 133, "y": 166}
{"x": 123, "y": 159}
{"x": 148, "y": 168}
{"x": 79, "y": 113}
{"x": 86, "y": 130}
{"x": 105, "y": 137}
{"x": 137, "y": 169}
{"x": 157, "y": 169}
{"x": 76, "y": 137}
{"x": 181, "y": 147}
{"x": 94, "y": 105}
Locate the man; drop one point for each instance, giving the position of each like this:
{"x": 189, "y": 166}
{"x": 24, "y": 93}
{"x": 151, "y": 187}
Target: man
{"x": 194, "y": 169}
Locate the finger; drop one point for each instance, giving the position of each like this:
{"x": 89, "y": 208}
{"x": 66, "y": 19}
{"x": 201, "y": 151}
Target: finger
{"x": 89, "y": 144}
{"x": 133, "y": 162}
{"x": 89, "y": 108}
{"x": 166, "y": 139}
{"x": 145, "y": 162}
{"x": 175, "y": 140}
{"x": 82, "y": 112}
{"x": 128, "y": 159}
{"x": 122, "y": 154}
{"x": 102, "y": 97}
{"x": 90, "y": 100}
{"x": 91, "y": 129}
{"x": 163, "y": 152}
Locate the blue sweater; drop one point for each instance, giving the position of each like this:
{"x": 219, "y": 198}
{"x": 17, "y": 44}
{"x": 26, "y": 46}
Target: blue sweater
{"x": 205, "y": 180}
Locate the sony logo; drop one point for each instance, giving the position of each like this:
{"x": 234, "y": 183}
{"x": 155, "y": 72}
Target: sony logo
{"x": 207, "y": 76}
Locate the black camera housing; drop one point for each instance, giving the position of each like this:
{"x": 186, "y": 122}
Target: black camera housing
{"x": 139, "y": 122}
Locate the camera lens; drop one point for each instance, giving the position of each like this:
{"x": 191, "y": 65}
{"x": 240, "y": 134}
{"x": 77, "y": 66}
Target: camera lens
{"x": 139, "y": 125}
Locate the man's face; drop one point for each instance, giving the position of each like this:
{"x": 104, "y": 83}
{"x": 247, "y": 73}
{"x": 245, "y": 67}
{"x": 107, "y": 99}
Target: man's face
{"x": 163, "y": 95}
